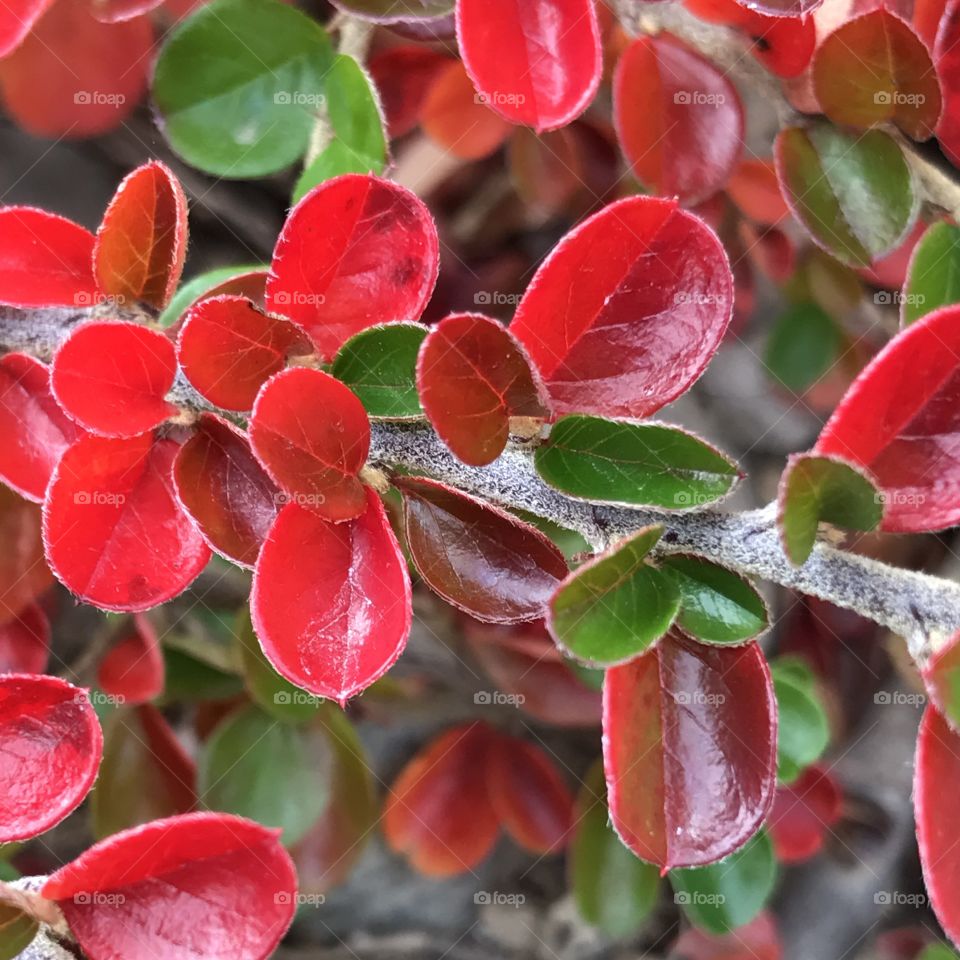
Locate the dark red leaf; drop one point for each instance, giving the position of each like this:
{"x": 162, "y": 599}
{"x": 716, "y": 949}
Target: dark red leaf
{"x": 112, "y": 378}
{"x": 802, "y": 813}
{"x": 755, "y": 189}
{"x": 25, "y": 641}
{"x": 901, "y": 420}
{"x": 209, "y": 884}
{"x": 37, "y": 430}
{"x": 331, "y": 602}
{"x": 678, "y": 118}
{"x": 473, "y": 377}
{"x": 690, "y": 750}
{"x": 222, "y": 486}
{"x": 45, "y": 260}
{"x": 627, "y": 311}
{"x": 536, "y": 62}
{"x": 312, "y": 436}
{"x": 133, "y": 669}
{"x": 142, "y": 240}
{"x": 403, "y": 76}
{"x": 52, "y": 747}
{"x": 228, "y": 349}
{"x": 24, "y": 573}
{"x": 114, "y": 531}
{"x": 356, "y": 251}
{"x": 477, "y": 557}
{"x": 946, "y": 57}
{"x": 532, "y": 801}
{"x": 439, "y": 812}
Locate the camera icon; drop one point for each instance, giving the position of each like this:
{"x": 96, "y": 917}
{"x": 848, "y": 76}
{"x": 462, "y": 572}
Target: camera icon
{"x": 81, "y": 498}
{"x": 82, "y": 897}
{"x": 682, "y": 97}
{"x": 283, "y": 98}
{"x": 883, "y": 98}
{"x": 82, "y": 97}
{"x": 882, "y": 898}
{"x": 681, "y": 898}
{"x": 282, "y": 698}
{"x": 883, "y": 698}
{"x": 282, "y": 897}
{"x": 481, "y": 298}
{"x": 482, "y": 898}
{"x": 483, "y": 698}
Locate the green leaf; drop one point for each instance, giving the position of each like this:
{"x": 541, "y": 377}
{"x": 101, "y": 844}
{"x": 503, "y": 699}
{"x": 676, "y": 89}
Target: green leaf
{"x": 189, "y": 679}
{"x": 8, "y": 873}
{"x": 17, "y": 932}
{"x": 616, "y": 606}
{"x": 723, "y": 896}
{"x": 239, "y": 84}
{"x": 815, "y": 489}
{"x": 614, "y": 890}
{"x": 353, "y": 134}
{"x": 571, "y": 543}
{"x": 643, "y": 464}
{"x": 938, "y": 951}
{"x": 717, "y": 605}
{"x": 804, "y": 344}
{"x": 853, "y": 191}
{"x": 933, "y": 279}
{"x": 197, "y": 286}
{"x": 379, "y": 365}
{"x": 271, "y": 772}
{"x": 803, "y": 731}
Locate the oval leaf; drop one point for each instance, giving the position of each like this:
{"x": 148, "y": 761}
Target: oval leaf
{"x": 804, "y": 731}
{"x": 933, "y": 276}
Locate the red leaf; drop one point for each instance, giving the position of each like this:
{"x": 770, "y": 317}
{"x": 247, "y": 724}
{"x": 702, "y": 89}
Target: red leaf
{"x": 690, "y": 750}
{"x": 115, "y": 534}
{"x": 133, "y": 670}
{"x": 627, "y": 311}
{"x": 472, "y": 377}
{"x": 403, "y": 76}
{"x": 24, "y": 573}
{"x": 228, "y": 349}
{"x": 116, "y": 11}
{"x": 207, "y": 884}
{"x": 312, "y": 436}
{"x": 479, "y": 558}
{"x": 946, "y": 57}
{"x": 784, "y": 45}
{"x": 771, "y": 250}
{"x": 536, "y": 62}
{"x": 755, "y": 189}
{"x": 356, "y": 251}
{"x": 678, "y": 119}
{"x": 936, "y": 774}
{"x": 901, "y": 420}
{"x": 802, "y": 813}
{"x": 438, "y": 812}
{"x": 44, "y": 260}
{"x": 757, "y": 940}
{"x": 25, "y": 641}
{"x": 225, "y": 491}
{"x": 75, "y": 76}
{"x": 112, "y": 378}
{"x": 331, "y": 602}
{"x": 530, "y": 797}
{"x": 927, "y": 17}
{"x": 940, "y": 675}
{"x": 16, "y": 21}
{"x": 52, "y": 748}
{"x": 37, "y": 429}
{"x": 142, "y": 240}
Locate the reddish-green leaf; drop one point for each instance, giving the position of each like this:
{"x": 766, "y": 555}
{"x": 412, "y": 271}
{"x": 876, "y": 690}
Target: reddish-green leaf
{"x": 473, "y": 377}
{"x": 689, "y": 750}
{"x": 133, "y": 671}
{"x": 627, "y": 311}
{"x": 941, "y": 676}
{"x": 477, "y": 557}
{"x": 25, "y": 641}
{"x": 142, "y": 240}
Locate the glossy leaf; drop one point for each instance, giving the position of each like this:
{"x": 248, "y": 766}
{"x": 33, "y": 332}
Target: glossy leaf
{"x": 142, "y": 241}
{"x": 449, "y": 775}
{"x": 225, "y": 491}
{"x": 113, "y": 378}
{"x": 403, "y": 76}
{"x": 941, "y": 677}
{"x": 637, "y": 290}
{"x": 354, "y": 138}
{"x": 803, "y": 733}
{"x": 25, "y": 641}
{"x": 247, "y": 759}
{"x": 535, "y": 63}
{"x": 754, "y": 188}
{"x": 243, "y": 281}
{"x": 473, "y": 377}
{"x": 380, "y": 366}
{"x": 44, "y": 260}
{"x": 52, "y": 749}
{"x": 816, "y": 490}
{"x": 331, "y": 603}
{"x": 165, "y": 876}
{"x": 726, "y": 895}
{"x": 716, "y": 604}
{"x": 678, "y": 118}
{"x": 891, "y": 77}
{"x": 854, "y": 193}
{"x": 37, "y": 428}
{"x": 615, "y": 606}
{"x": 640, "y": 464}
{"x": 132, "y": 671}
{"x": 238, "y": 84}
{"x": 899, "y": 422}
{"x": 228, "y": 349}
{"x": 933, "y": 277}
{"x": 804, "y": 345}
{"x": 689, "y": 750}
{"x": 24, "y": 574}
{"x": 312, "y": 436}
{"x": 802, "y": 814}
{"x": 477, "y": 557}
{"x": 114, "y": 532}
{"x": 355, "y": 252}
